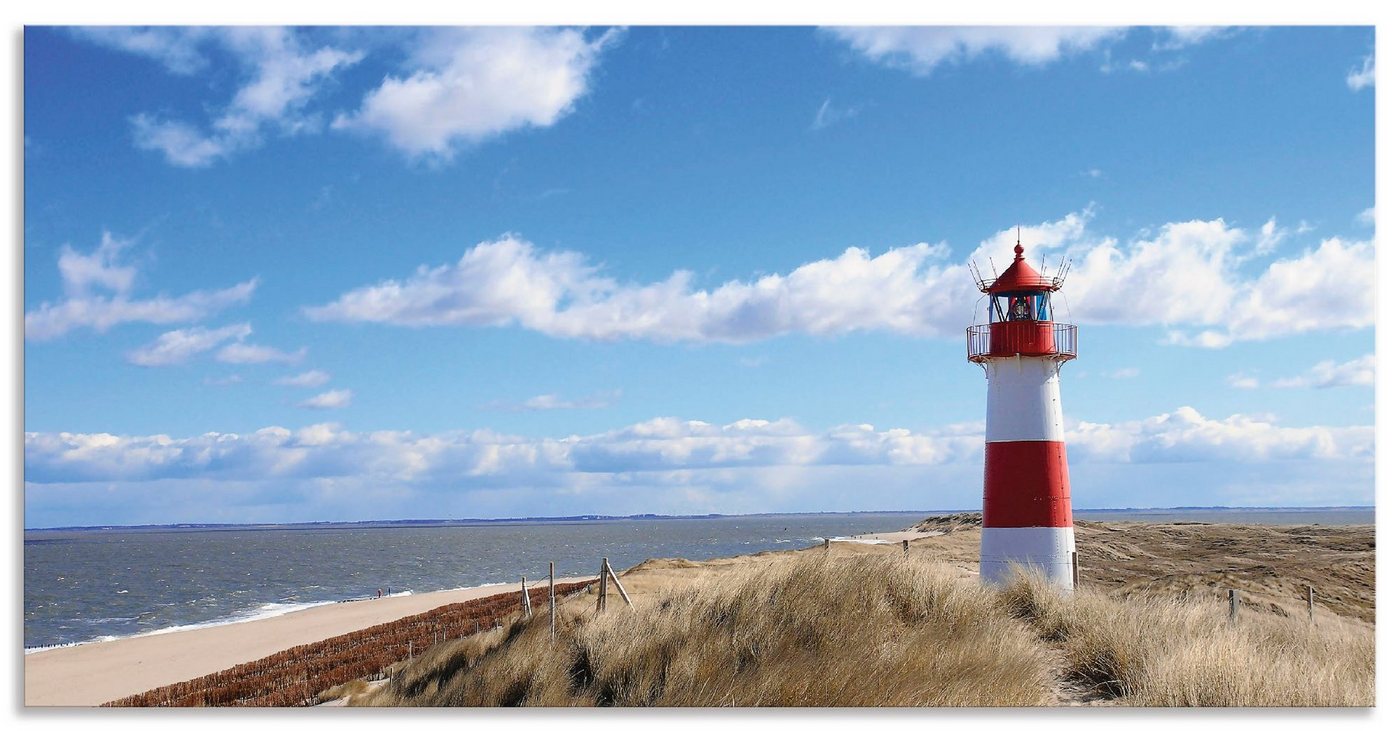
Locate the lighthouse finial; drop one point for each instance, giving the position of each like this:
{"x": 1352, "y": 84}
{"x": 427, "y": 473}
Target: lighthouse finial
{"x": 1019, "y": 250}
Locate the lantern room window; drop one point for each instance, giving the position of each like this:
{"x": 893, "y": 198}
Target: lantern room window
{"x": 1012, "y": 306}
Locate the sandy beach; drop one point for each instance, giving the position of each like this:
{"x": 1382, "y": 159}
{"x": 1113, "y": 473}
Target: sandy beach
{"x": 95, "y": 673}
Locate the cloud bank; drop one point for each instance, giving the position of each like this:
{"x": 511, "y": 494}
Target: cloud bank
{"x": 675, "y": 465}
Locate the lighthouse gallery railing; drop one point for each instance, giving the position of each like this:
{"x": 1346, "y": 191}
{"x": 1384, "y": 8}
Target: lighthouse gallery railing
{"x": 1025, "y": 337}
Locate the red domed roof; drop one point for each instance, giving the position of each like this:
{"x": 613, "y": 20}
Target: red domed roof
{"x": 1020, "y": 277}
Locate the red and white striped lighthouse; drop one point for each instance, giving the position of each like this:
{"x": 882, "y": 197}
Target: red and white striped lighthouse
{"x": 1025, "y": 500}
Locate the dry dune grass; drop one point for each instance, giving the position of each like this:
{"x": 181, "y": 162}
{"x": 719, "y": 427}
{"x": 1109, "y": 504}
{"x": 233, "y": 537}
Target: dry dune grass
{"x": 1273, "y": 565}
{"x": 815, "y": 629}
{"x": 1180, "y": 651}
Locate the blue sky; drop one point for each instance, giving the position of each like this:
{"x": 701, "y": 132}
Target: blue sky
{"x": 324, "y": 274}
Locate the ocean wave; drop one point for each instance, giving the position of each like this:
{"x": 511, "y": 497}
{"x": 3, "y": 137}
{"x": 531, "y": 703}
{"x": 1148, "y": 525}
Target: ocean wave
{"x": 265, "y": 611}
{"x": 483, "y": 586}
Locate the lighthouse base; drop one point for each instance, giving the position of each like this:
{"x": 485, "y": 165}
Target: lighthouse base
{"x": 1048, "y": 551}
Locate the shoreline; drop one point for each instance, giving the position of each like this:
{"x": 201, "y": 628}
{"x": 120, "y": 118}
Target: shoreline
{"x": 267, "y": 611}
{"x": 96, "y": 672}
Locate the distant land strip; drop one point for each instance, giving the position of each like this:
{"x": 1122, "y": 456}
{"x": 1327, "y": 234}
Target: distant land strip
{"x": 435, "y": 522}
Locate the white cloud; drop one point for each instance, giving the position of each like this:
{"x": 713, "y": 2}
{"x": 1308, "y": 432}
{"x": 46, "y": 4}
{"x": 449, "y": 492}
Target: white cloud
{"x": 1209, "y": 339}
{"x": 827, "y": 114}
{"x": 920, "y": 49}
{"x": 1242, "y": 381}
{"x": 1123, "y": 373}
{"x": 178, "y": 346}
{"x": 509, "y": 281}
{"x": 228, "y": 380}
{"x": 1363, "y": 77}
{"x": 247, "y": 353}
{"x": 1191, "y": 274}
{"x": 1181, "y": 36}
{"x": 1185, "y": 435}
{"x": 97, "y": 295}
{"x": 471, "y": 84}
{"x": 310, "y": 379}
{"x": 1330, "y": 287}
{"x": 280, "y": 78}
{"x": 175, "y": 47}
{"x": 182, "y": 144}
{"x": 334, "y": 399}
{"x": 81, "y": 273}
{"x": 1367, "y": 217}
{"x": 1330, "y": 374}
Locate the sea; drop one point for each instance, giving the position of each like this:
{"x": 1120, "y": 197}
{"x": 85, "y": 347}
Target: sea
{"x": 96, "y": 584}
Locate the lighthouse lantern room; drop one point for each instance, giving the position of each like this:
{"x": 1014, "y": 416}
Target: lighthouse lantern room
{"x": 1026, "y": 516}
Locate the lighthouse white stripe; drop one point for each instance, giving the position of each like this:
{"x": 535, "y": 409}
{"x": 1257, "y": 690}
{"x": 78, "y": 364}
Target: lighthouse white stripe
{"x": 1045, "y": 550}
{"x": 1023, "y": 400}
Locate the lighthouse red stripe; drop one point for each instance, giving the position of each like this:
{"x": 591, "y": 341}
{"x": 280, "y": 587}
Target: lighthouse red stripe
{"x": 1027, "y": 486}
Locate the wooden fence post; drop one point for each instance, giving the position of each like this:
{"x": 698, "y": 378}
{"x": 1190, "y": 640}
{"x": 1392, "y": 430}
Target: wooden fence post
{"x": 551, "y": 601}
{"x": 906, "y": 548}
{"x": 617, "y": 583}
{"x": 826, "y": 544}
{"x": 1234, "y": 605}
{"x": 525, "y": 599}
{"x": 1074, "y": 568}
{"x": 1311, "y": 618}
{"x": 603, "y": 587}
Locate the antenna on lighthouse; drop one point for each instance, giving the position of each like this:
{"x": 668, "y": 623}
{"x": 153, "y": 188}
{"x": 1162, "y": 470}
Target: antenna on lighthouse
{"x": 1064, "y": 268}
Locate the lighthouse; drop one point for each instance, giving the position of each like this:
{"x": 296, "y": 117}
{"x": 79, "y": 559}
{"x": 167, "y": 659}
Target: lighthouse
{"x": 1026, "y": 516}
